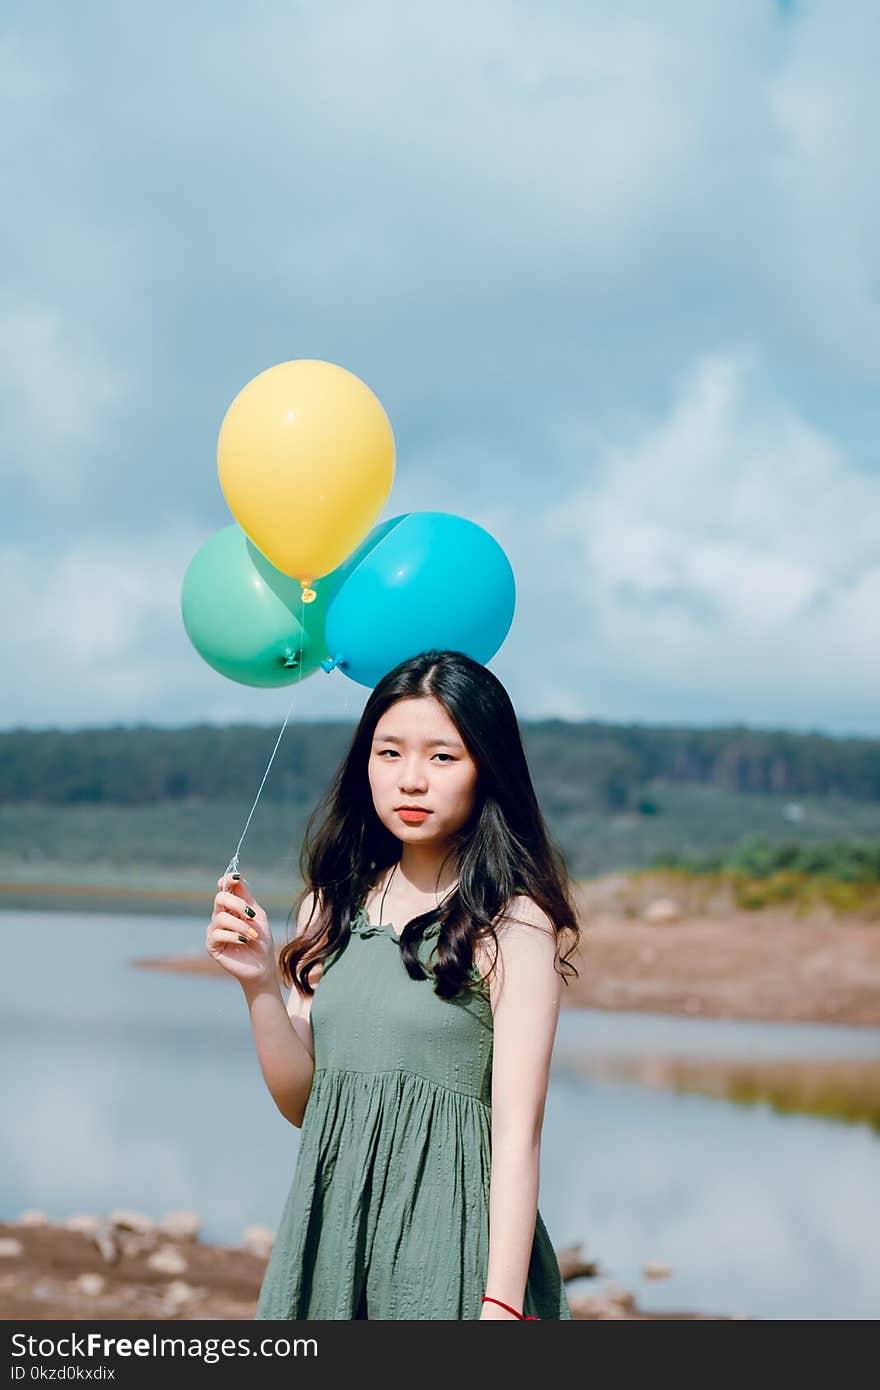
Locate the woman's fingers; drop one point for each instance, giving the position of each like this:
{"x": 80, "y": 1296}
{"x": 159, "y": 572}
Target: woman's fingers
{"x": 237, "y": 916}
{"x": 238, "y": 908}
{"x": 229, "y": 921}
{"x": 219, "y": 935}
{"x": 230, "y": 901}
{"x": 238, "y": 886}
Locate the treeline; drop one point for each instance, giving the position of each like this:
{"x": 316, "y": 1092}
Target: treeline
{"x": 576, "y": 767}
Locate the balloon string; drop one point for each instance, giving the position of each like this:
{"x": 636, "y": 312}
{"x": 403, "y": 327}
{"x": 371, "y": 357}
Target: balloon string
{"x": 232, "y": 866}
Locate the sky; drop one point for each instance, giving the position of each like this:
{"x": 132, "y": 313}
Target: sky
{"x": 612, "y": 271}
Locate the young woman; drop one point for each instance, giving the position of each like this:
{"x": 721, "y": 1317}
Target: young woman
{"x": 415, "y": 1045}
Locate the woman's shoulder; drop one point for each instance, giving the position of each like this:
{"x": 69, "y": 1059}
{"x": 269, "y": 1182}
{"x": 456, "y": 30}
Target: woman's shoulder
{"x": 309, "y": 911}
{"x": 523, "y": 911}
{"x": 517, "y": 921}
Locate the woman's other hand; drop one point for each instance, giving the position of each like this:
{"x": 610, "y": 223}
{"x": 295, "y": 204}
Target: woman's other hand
{"x": 239, "y": 935}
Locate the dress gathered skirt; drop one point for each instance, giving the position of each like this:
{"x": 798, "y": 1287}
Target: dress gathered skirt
{"x": 388, "y": 1212}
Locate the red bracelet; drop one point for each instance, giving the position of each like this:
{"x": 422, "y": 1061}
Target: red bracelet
{"x": 526, "y": 1317}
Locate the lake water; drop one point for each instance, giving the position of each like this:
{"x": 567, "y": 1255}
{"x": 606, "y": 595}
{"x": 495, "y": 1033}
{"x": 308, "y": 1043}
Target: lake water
{"x": 141, "y": 1088}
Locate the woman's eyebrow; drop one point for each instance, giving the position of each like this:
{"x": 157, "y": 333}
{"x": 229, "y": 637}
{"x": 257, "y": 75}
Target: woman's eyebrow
{"x": 429, "y": 743}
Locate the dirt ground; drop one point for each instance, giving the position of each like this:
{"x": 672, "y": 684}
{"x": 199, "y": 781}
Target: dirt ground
{"x": 757, "y": 965}
{"x": 77, "y": 1276}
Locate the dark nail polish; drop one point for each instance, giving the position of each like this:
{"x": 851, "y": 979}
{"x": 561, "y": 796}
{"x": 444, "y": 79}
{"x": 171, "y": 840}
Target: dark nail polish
{"x": 236, "y": 876}
{"x": 242, "y": 939}
{"x": 249, "y": 911}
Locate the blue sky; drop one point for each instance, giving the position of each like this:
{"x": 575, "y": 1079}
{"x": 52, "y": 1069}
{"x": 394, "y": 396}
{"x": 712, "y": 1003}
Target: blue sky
{"x": 611, "y": 269}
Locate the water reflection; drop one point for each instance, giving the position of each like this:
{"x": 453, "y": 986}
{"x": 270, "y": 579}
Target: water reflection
{"x": 813, "y": 1069}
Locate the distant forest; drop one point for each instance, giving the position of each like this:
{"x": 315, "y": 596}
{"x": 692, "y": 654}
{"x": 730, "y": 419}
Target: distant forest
{"x": 588, "y": 766}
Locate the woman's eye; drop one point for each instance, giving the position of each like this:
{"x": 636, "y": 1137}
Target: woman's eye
{"x": 393, "y": 752}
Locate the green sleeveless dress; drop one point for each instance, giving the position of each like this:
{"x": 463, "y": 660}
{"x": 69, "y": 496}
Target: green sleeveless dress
{"x": 388, "y": 1213}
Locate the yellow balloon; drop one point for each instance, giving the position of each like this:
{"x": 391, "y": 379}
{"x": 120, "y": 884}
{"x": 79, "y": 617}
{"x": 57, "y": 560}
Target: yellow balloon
{"x": 306, "y": 462}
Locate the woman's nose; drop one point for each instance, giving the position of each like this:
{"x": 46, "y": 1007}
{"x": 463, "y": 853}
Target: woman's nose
{"x": 413, "y": 783}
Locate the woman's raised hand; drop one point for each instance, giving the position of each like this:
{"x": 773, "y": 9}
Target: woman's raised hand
{"x": 239, "y": 935}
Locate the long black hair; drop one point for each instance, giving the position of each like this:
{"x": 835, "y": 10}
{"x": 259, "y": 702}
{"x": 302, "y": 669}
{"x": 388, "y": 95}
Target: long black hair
{"x": 504, "y": 850}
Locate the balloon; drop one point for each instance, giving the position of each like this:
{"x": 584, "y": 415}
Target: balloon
{"x": 306, "y": 462}
{"x": 243, "y": 616}
{"x": 420, "y": 580}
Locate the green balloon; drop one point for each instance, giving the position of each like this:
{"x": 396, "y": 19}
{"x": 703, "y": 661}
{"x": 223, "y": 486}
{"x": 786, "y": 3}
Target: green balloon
{"x": 246, "y": 619}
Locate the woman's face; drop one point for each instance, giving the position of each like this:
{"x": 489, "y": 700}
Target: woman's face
{"x": 418, "y": 759}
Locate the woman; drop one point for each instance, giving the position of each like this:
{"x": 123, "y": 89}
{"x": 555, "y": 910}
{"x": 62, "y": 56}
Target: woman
{"x": 415, "y": 1046}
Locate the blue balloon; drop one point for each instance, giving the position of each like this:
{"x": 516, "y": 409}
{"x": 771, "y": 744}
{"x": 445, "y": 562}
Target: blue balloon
{"x": 420, "y": 580}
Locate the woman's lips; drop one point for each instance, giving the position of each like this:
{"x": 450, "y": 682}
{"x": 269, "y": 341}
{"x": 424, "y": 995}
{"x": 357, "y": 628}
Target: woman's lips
{"x": 412, "y": 817}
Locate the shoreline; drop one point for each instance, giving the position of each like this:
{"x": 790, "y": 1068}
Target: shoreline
{"x": 768, "y": 972}
{"x": 650, "y": 945}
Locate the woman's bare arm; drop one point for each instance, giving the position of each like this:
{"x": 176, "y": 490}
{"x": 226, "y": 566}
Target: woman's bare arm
{"x": 525, "y": 1004}
{"x": 282, "y": 1036}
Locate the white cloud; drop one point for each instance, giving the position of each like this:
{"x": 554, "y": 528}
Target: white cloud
{"x": 102, "y": 637}
{"x": 824, "y": 103}
{"x": 57, "y": 392}
{"x": 731, "y": 545}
